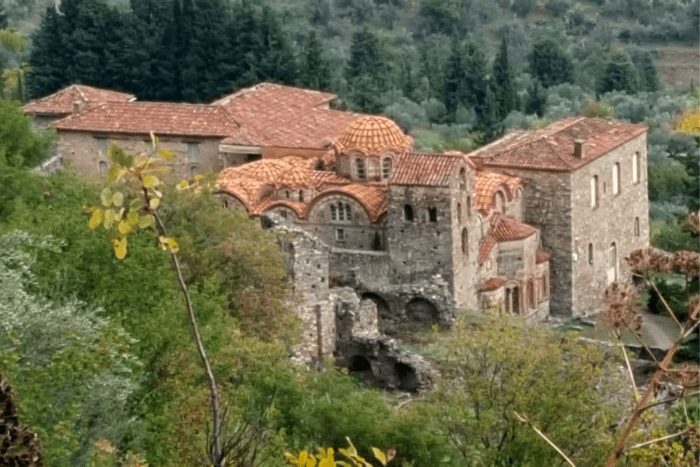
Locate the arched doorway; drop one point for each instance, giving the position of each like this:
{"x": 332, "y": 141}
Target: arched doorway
{"x": 513, "y": 299}
{"x": 612, "y": 263}
{"x": 422, "y": 311}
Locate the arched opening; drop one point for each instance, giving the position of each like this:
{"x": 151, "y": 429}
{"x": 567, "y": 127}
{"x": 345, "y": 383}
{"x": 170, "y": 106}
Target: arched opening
{"x": 360, "y": 169}
{"x": 513, "y": 300}
{"x": 616, "y": 178}
{"x": 465, "y": 241}
{"x": 407, "y": 378}
{"x": 590, "y": 253}
{"x": 383, "y": 311}
{"x": 531, "y": 301}
{"x": 301, "y": 195}
{"x": 612, "y": 263}
{"x": 594, "y": 191}
{"x": 463, "y": 179}
{"x": 469, "y": 206}
{"x": 408, "y": 212}
{"x": 636, "y": 226}
{"x": 499, "y": 202}
{"x": 635, "y": 167}
{"x": 104, "y": 168}
{"x": 361, "y": 368}
{"x": 386, "y": 167}
{"x": 422, "y": 311}
{"x": 432, "y": 214}
{"x": 194, "y": 170}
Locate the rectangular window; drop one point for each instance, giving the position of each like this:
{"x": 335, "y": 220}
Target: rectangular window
{"x": 340, "y": 235}
{"x": 192, "y": 152}
{"x": 101, "y": 144}
{"x": 616, "y": 178}
{"x": 635, "y": 167}
{"x": 594, "y": 191}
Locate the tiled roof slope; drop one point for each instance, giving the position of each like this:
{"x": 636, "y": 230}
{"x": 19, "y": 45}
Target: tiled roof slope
{"x": 62, "y": 102}
{"x": 162, "y": 118}
{"x": 552, "y": 148}
{"x": 285, "y": 116}
{"x": 488, "y": 183}
{"x": 373, "y": 198}
{"x": 506, "y": 229}
{"x": 492, "y": 283}
{"x": 425, "y": 169}
{"x": 372, "y": 134}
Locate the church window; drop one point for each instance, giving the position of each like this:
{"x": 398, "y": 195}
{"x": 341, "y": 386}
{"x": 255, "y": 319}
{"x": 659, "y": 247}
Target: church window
{"x": 432, "y": 214}
{"x": 286, "y": 194}
{"x": 465, "y": 241}
{"x": 408, "y": 212}
{"x": 590, "y": 253}
{"x": 459, "y": 212}
{"x": 386, "y": 167}
{"x": 334, "y": 214}
{"x": 594, "y": 191}
{"x": 635, "y": 167}
{"x": 301, "y": 195}
{"x": 463, "y": 179}
{"x": 104, "y": 168}
{"x": 360, "y": 169}
{"x": 616, "y": 178}
{"x": 192, "y": 152}
{"x": 341, "y": 212}
{"x": 636, "y": 226}
{"x": 340, "y": 235}
{"x": 499, "y": 202}
{"x": 347, "y": 212}
{"x": 469, "y": 206}
{"x": 612, "y": 263}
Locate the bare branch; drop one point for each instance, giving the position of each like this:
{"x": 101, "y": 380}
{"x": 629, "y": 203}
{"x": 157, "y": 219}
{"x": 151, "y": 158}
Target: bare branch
{"x": 544, "y": 437}
{"x": 665, "y": 303}
{"x": 629, "y": 365}
{"x": 658, "y": 440}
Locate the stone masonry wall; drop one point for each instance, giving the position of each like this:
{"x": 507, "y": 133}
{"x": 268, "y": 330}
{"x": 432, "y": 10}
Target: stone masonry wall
{"x": 81, "y": 151}
{"x": 365, "y": 269}
{"x": 613, "y": 220}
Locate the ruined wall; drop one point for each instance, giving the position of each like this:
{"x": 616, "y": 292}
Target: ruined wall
{"x": 358, "y": 268}
{"x": 83, "y": 151}
{"x": 612, "y": 221}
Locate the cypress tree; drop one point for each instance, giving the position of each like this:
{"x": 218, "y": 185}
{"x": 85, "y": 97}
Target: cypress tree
{"x": 648, "y": 74}
{"x": 453, "y": 91}
{"x": 277, "y": 62}
{"x": 245, "y": 44}
{"x": 315, "y": 71}
{"x": 475, "y": 83}
{"x": 618, "y": 74}
{"x": 366, "y": 71}
{"x": 490, "y": 124}
{"x": 503, "y": 82}
{"x": 536, "y": 100}
{"x": 550, "y": 65}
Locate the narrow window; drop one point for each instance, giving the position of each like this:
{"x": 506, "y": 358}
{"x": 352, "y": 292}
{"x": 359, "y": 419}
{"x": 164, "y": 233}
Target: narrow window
{"x": 636, "y": 226}
{"x": 594, "y": 191}
{"x": 340, "y": 235}
{"x": 104, "y": 168}
{"x": 286, "y": 194}
{"x": 616, "y": 178}
{"x": 499, "y": 202}
{"x": 226, "y": 203}
{"x": 590, "y": 253}
{"x": 459, "y": 212}
{"x": 360, "y": 169}
{"x": 192, "y": 152}
{"x": 334, "y": 214}
{"x": 408, "y": 212}
{"x": 194, "y": 170}
{"x": 463, "y": 179}
{"x": 469, "y": 206}
{"x": 612, "y": 263}
{"x": 635, "y": 167}
{"x": 465, "y": 241}
{"x": 301, "y": 195}
{"x": 341, "y": 212}
{"x": 347, "y": 212}
{"x": 386, "y": 167}
{"x": 432, "y": 214}
{"x": 282, "y": 213}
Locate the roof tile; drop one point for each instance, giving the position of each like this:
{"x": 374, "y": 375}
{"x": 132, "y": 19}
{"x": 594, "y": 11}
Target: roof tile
{"x": 63, "y": 101}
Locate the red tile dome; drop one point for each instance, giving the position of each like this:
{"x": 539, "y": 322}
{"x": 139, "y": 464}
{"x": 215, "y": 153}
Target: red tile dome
{"x": 373, "y": 134}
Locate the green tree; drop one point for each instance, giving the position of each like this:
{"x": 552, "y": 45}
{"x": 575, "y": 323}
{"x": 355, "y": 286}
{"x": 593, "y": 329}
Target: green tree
{"x": 20, "y": 145}
{"x": 315, "y": 70}
{"x": 618, "y": 74}
{"x": 503, "y": 81}
{"x": 475, "y": 83}
{"x": 536, "y": 102}
{"x": 453, "y": 90}
{"x": 490, "y": 124}
{"x": 366, "y": 71}
{"x": 550, "y": 65}
{"x": 497, "y": 370}
{"x": 277, "y": 63}
{"x": 523, "y": 8}
{"x": 648, "y": 74}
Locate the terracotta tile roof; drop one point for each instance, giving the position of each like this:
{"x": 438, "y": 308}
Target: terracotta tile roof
{"x": 492, "y": 283}
{"x": 248, "y": 191}
{"x": 62, "y": 102}
{"x": 541, "y": 257}
{"x": 486, "y": 247}
{"x": 486, "y": 184}
{"x": 552, "y": 148}
{"x": 298, "y": 207}
{"x": 425, "y": 169}
{"x": 289, "y": 172}
{"x": 372, "y": 134}
{"x": 373, "y": 198}
{"x": 285, "y": 116}
{"x": 506, "y": 229}
{"x": 162, "y": 118}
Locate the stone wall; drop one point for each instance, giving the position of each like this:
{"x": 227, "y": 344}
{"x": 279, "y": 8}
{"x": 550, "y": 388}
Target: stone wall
{"x": 364, "y": 269}
{"x": 84, "y": 152}
{"x": 612, "y": 221}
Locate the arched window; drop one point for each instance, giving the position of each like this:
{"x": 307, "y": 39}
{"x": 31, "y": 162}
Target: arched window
{"x": 301, "y": 195}
{"x": 348, "y": 212}
{"x": 590, "y": 253}
{"x": 616, "y": 178}
{"x": 636, "y": 226}
{"x": 499, "y": 202}
{"x": 465, "y": 241}
{"x": 104, "y": 168}
{"x": 286, "y": 194}
{"x": 594, "y": 191}
{"x": 635, "y": 167}
{"x": 612, "y": 263}
{"x": 469, "y": 206}
{"x": 194, "y": 170}
{"x": 386, "y": 167}
{"x": 459, "y": 212}
{"x": 432, "y": 214}
{"x": 408, "y": 212}
{"x": 463, "y": 179}
{"x": 334, "y": 213}
{"x": 360, "y": 169}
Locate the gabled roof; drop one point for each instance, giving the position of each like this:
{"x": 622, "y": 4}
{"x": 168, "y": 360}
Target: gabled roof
{"x": 285, "y": 116}
{"x": 492, "y": 283}
{"x": 161, "y": 118}
{"x": 62, "y": 102}
{"x": 486, "y": 184}
{"x": 507, "y": 229}
{"x": 425, "y": 169}
{"x": 552, "y": 148}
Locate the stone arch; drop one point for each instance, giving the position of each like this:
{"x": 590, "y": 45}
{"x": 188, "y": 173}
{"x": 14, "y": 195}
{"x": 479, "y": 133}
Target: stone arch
{"x": 406, "y": 376}
{"x": 512, "y": 298}
{"x": 320, "y": 208}
{"x": 499, "y": 201}
{"x": 360, "y": 365}
{"x": 383, "y": 308}
{"x": 422, "y": 311}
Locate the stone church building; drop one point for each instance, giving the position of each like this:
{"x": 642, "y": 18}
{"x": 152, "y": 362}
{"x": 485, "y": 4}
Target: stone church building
{"x": 537, "y": 222}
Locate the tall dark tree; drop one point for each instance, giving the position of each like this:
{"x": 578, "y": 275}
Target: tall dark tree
{"x": 503, "y": 82}
{"x": 366, "y": 71}
{"x": 3, "y": 15}
{"x": 618, "y": 74}
{"x": 453, "y": 91}
{"x": 536, "y": 100}
{"x": 550, "y": 65}
{"x": 475, "y": 82}
{"x": 245, "y": 44}
{"x": 315, "y": 71}
{"x": 277, "y": 62}
{"x": 490, "y": 124}
{"x": 648, "y": 74}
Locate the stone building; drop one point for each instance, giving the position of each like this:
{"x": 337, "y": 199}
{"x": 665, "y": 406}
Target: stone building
{"x": 586, "y": 190}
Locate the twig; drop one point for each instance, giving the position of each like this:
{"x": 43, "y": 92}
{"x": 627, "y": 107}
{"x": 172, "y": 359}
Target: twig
{"x": 629, "y": 366}
{"x": 658, "y": 440}
{"x": 669, "y": 400}
{"x": 665, "y": 303}
{"x": 544, "y": 437}
{"x": 641, "y": 341}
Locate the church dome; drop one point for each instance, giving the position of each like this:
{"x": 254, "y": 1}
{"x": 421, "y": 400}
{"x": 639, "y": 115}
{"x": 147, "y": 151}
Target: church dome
{"x": 372, "y": 134}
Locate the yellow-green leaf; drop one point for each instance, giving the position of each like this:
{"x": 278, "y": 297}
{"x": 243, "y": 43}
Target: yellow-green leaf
{"x": 165, "y": 154}
{"x": 169, "y": 243}
{"x": 116, "y": 173}
{"x": 147, "y": 221}
{"x": 183, "y": 185}
{"x": 380, "y": 456}
{"x": 150, "y": 181}
{"x": 109, "y": 218}
{"x": 124, "y": 227}
{"x": 95, "y": 219}
{"x": 198, "y": 177}
{"x": 106, "y": 197}
{"x": 118, "y": 199}
{"x": 132, "y": 218}
{"x": 153, "y": 203}
{"x": 119, "y": 245}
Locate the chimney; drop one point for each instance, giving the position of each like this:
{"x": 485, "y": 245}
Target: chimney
{"x": 76, "y": 107}
{"x": 579, "y": 152}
